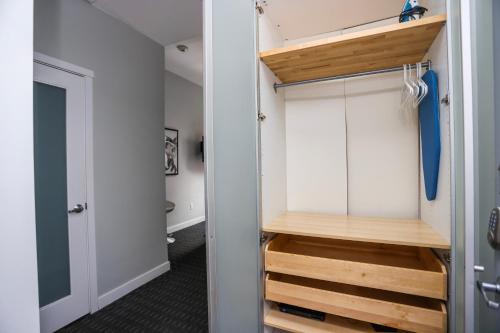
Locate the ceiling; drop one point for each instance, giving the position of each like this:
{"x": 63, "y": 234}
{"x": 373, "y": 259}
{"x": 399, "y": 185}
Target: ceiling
{"x": 173, "y": 22}
{"x": 169, "y": 23}
{"x": 320, "y": 16}
{"x": 188, "y": 64}
{"x": 164, "y": 21}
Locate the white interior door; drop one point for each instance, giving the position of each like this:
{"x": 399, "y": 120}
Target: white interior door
{"x": 60, "y": 196}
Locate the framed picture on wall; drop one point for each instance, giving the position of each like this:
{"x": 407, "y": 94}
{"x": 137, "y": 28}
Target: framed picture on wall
{"x": 171, "y": 152}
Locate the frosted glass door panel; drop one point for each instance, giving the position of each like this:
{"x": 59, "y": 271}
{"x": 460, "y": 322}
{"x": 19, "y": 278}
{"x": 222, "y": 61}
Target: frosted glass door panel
{"x": 51, "y": 193}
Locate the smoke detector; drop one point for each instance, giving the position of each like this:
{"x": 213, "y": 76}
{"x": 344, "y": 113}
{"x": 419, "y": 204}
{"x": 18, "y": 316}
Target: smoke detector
{"x": 182, "y": 48}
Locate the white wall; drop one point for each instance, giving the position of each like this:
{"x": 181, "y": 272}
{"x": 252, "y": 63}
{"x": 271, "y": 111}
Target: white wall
{"x": 184, "y": 112}
{"x": 435, "y": 7}
{"x": 18, "y": 277}
{"x": 128, "y": 134}
{"x": 340, "y": 32}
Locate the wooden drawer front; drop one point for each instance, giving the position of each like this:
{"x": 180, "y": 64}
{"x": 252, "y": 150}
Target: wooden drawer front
{"x": 410, "y": 270}
{"x": 412, "y": 313}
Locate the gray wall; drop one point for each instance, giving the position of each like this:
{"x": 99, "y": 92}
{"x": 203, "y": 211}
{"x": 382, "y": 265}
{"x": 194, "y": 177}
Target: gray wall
{"x": 234, "y": 189}
{"x": 184, "y": 112}
{"x": 128, "y": 132}
{"x": 18, "y": 273}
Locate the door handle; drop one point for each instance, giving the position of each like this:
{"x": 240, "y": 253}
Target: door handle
{"x": 77, "y": 209}
{"x": 485, "y": 287}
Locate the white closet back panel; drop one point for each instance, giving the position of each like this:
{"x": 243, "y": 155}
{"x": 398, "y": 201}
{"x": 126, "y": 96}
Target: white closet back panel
{"x": 383, "y": 146}
{"x": 316, "y": 150}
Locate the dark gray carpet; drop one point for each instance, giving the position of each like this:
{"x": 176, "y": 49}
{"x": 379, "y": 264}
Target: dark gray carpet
{"x": 174, "y": 302}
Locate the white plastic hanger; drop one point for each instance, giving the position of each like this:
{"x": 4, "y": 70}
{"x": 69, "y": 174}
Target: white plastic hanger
{"x": 415, "y": 88}
{"x": 423, "y": 85}
{"x": 406, "y": 91}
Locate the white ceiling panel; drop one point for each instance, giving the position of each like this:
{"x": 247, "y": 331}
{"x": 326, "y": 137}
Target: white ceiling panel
{"x": 302, "y": 18}
{"x": 188, "y": 64}
{"x": 165, "y": 21}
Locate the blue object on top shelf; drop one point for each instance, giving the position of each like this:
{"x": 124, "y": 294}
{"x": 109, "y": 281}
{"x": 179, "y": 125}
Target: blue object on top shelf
{"x": 411, "y": 11}
{"x": 408, "y": 5}
{"x": 428, "y": 112}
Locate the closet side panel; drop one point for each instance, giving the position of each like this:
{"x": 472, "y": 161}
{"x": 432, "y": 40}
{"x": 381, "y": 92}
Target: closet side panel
{"x": 437, "y": 213}
{"x": 382, "y": 149}
{"x": 316, "y": 149}
{"x": 272, "y": 131}
{"x": 272, "y": 135}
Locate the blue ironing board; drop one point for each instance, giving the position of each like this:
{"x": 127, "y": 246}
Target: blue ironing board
{"x": 428, "y": 111}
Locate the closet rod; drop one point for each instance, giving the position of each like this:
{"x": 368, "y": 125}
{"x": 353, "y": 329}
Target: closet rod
{"x": 425, "y": 65}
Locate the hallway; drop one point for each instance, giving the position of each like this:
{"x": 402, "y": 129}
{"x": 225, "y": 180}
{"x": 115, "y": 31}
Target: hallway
{"x": 173, "y": 302}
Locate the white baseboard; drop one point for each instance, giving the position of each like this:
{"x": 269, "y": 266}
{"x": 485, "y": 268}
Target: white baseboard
{"x": 131, "y": 285}
{"x": 185, "y": 224}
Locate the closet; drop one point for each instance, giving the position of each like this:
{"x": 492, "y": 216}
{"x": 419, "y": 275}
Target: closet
{"x": 352, "y": 241}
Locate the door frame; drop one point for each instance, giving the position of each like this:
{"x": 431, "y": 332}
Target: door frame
{"x": 469, "y": 161}
{"x": 217, "y": 300}
{"x": 208, "y": 150}
{"x": 467, "y": 18}
{"x": 88, "y": 76}
{"x": 458, "y": 157}
{"x": 470, "y": 16}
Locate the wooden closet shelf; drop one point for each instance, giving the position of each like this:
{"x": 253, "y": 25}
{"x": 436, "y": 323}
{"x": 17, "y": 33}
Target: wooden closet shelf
{"x": 363, "y": 229}
{"x": 292, "y": 323}
{"x": 367, "y": 50}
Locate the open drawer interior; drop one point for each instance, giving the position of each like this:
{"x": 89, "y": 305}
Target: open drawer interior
{"x": 412, "y": 313}
{"x": 298, "y": 324}
{"x": 404, "y": 269}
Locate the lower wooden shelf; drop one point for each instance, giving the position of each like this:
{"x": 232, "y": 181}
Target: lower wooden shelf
{"x": 291, "y": 323}
{"x": 411, "y": 313}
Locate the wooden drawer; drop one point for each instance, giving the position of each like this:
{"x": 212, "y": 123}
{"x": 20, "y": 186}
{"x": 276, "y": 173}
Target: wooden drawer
{"x": 404, "y": 269}
{"x": 297, "y": 324}
{"x": 411, "y": 313}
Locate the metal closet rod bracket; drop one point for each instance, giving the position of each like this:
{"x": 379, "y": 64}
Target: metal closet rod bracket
{"x": 425, "y": 65}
